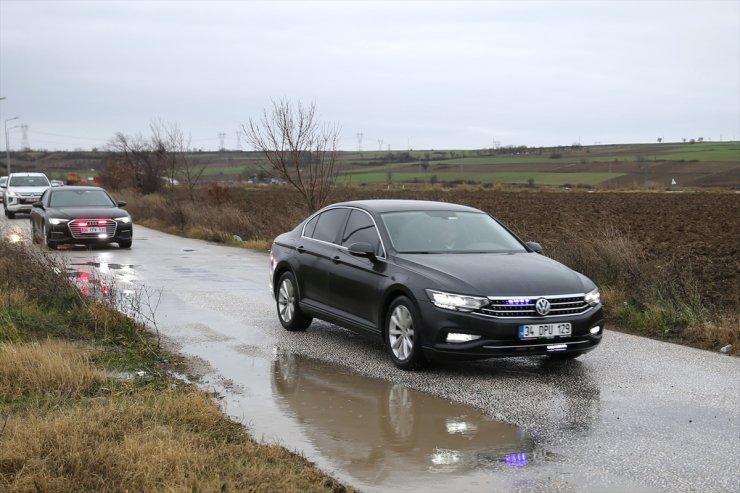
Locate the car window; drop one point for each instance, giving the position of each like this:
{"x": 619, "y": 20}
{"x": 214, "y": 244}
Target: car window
{"x": 329, "y": 224}
{"x": 80, "y": 198}
{"x": 29, "y": 181}
{"x": 310, "y": 226}
{"x": 448, "y": 232}
{"x": 361, "y": 229}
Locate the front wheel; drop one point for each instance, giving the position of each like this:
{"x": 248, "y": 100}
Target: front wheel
{"x": 403, "y": 335}
{"x": 34, "y": 233}
{"x": 47, "y": 238}
{"x": 125, "y": 244}
{"x": 290, "y": 314}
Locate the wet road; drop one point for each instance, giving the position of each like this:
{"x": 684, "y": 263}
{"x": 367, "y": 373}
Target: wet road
{"x": 633, "y": 415}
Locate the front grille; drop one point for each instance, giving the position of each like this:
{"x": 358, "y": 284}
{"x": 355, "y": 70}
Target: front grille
{"x": 78, "y": 228}
{"x": 524, "y": 307}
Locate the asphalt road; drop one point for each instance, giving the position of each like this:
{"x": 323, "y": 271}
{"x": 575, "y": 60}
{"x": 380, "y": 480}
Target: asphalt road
{"x": 633, "y": 415}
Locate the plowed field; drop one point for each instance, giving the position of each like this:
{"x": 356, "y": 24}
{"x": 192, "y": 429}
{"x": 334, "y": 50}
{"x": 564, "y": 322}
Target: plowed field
{"x": 700, "y": 232}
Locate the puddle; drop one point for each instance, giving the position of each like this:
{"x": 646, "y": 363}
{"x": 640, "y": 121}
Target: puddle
{"x": 377, "y": 427}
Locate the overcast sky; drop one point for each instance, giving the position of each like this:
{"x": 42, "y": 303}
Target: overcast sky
{"x": 425, "y": 75}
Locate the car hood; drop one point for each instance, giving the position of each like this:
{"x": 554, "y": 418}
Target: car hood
{"x": 34, "y": 190}
{"x": 496, "y": 274}
{"x": 86, "y": 212}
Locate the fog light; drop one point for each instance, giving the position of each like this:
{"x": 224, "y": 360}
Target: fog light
{"x": 455, "y": 337}
{"x": 595, "y": 330}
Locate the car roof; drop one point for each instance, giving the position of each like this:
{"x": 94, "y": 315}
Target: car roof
{"x": 395, "y": 205}
{"x": 27, "y": 173}
{"x": 72, "y": 188}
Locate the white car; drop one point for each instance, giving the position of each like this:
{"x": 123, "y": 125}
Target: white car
{"x": 3, "y": 182}
{"x": 21, "y": 191}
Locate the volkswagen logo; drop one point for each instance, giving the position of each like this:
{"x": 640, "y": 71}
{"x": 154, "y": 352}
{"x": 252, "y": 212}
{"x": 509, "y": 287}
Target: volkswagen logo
{"x": 542, "y": 306}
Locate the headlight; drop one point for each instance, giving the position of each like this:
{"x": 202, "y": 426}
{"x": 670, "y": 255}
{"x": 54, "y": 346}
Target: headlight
{"x": 56, "y": 220}
{"x": 12, "y": 194}
{"x": 124, "y": 220}
{"x": 593, "y": 298}
{"x": 459, "y": 302}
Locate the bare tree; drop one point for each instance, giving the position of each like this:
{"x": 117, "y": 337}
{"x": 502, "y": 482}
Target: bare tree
{"x": 302, "y": 150}
{"x": 157, "y": 160}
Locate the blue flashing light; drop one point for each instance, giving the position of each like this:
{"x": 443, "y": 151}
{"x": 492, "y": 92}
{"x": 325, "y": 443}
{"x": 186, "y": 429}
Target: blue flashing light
{"x": 516, "y": 459}
{"x": 518, "y": 301}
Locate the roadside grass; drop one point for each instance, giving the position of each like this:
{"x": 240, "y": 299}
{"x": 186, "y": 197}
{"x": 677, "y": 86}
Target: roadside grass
{"x": 87, "y": 402}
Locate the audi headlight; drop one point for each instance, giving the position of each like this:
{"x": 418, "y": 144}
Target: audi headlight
{"x": 459, "y": 302}
{"x": 593, "y": 298}
{"x": 124, "y": 220}
{"x": 56, "y": 220}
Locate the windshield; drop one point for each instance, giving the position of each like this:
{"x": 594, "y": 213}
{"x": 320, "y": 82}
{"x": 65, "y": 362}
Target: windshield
{"x": 448, "y": 232}
{"x": 28, "y": 181}
{"x": 80, "y": 198}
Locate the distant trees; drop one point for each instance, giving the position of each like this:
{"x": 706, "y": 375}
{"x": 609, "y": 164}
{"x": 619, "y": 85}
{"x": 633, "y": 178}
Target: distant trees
{"x": 151, "y": 163}
{"x": 301, "y": 149}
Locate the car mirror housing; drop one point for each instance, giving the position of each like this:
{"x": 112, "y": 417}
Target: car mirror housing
{"x": 38, "y": 205}
{"x": 534, "y": 246}
{"x": 362, "y": 250}
{"x": 121, "y": 203}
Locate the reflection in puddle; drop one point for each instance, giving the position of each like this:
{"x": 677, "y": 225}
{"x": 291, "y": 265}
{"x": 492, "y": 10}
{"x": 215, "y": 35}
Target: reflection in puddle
{"x": 377, "y": 430}
{"x": 97, "y": 279}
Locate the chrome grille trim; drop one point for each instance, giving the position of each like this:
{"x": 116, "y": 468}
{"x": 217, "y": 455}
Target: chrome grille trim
{"x": 563, "y": 305}
{"x": 75, "y": 230}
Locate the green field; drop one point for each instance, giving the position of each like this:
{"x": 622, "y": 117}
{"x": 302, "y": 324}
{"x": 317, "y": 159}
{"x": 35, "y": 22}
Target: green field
{"x": 540, "y": 178}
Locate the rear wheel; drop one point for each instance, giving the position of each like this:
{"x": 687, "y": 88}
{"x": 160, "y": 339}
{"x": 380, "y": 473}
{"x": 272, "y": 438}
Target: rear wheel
{"x": 290, "y": 314}
{"x": 403, "y": 335}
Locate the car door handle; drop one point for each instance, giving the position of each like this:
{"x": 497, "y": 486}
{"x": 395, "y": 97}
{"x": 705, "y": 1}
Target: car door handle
{"x": 335, "y": 259}
{"x": 301, "y": 249}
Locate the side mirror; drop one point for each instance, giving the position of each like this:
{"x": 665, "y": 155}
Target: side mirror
{"x": 534, "y": 246}
{"x": 362, "y": 250}
{"x": 121, "y": 203}
{"x": 38, "y": 205}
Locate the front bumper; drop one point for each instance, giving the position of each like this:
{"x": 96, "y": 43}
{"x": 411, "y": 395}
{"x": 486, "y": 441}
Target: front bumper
{"x": 60, "y": 233}
{"x": 20, "y": 204}
{"x": 499, "y": 337}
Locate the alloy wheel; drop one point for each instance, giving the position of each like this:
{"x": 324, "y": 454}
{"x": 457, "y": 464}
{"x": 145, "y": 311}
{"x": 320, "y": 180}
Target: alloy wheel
{"x": 286, "y": 300}
{"x": 401, "y": 333}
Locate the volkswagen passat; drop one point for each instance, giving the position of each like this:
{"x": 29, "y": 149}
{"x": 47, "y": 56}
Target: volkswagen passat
{"x": 80, "y": 215}
{"x": 433, "y": 280}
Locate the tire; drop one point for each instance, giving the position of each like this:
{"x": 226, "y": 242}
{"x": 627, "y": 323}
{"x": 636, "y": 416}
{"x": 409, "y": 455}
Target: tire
{"x": 34, "y": 234}
{"x": 11, "y": 215}
{"x": 403, "y": 335}
{"x": 289, "y": 312}
{"x": 125, "y": 244}
{"x": 47, "y": 238}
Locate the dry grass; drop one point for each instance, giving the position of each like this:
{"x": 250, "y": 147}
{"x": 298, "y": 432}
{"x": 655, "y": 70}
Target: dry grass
{"x": 65, "y": 426}
{"x": 52, "y": 367}
{"x": 148, "y": 441}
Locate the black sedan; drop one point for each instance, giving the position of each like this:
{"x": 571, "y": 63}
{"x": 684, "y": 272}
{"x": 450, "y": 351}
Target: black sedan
{"x": 433, "y": 280}
{"x": 80, "y": 215}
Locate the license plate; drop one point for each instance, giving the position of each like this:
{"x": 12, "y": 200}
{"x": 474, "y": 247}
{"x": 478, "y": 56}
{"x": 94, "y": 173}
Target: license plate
{"x": 92, "y": 230}
{"x": 547, "y": 331}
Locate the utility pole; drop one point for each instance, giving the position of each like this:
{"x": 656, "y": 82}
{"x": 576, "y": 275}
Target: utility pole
{"x": 7, "y": 145}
